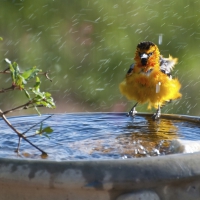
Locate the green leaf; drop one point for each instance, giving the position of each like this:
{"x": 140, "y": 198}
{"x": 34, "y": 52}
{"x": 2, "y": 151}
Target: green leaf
{"x": 30, "y": 73}
{"x": 20, "y": 81}
{"x": 35, "y": 107}
{"x": 45, "y": 132}
{"x": 35, "y": 96}
{"x": 47, "y": 94}
{"x": 42, "y": 98}
{"x": 16, "y": 70}
{"x": 1, "y": 38}
{"x": 17, "y": 79}
{"x": 36, "y": 87}
{"x": 27, "y": 94}
{"x": 47, "y": 129}
{"x": 12, "y": 70}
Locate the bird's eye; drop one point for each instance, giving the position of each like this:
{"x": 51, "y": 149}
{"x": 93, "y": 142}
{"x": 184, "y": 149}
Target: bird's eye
{"x": 150, "y": 54}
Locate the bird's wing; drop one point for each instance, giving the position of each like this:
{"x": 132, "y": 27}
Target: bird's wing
{"x": 130, "y": 69}
{"x": 167, "y": 64}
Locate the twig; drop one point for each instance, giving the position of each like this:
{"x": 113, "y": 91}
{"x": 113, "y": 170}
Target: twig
{"x": 24, "y": 106}
{"x": 19, "y": 142}
{"x": 19, "y": 134}
{"x": 6, "y": 71}
{"x": 7, "y": 89}
{"x": 35, "y": 126}
{"x": 46, "y": 74}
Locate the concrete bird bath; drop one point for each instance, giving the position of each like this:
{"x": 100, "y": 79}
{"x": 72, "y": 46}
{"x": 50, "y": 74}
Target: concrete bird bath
{"x": 153, "y": 168}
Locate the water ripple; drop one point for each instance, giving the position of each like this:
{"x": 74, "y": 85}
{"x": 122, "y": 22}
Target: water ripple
{"x": 97, "y": 136}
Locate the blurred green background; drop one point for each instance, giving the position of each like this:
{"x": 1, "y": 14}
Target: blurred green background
{"x": 88, "y": 46}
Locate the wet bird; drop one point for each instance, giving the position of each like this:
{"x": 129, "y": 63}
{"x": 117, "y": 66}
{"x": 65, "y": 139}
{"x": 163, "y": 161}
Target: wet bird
{"x": 149, "y": 79}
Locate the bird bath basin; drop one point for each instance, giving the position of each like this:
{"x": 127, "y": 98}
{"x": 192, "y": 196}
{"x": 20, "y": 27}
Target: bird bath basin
{"x": 103, "y": 156}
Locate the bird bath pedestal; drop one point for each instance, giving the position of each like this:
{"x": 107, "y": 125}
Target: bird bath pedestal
{"x": 167, "y": 177}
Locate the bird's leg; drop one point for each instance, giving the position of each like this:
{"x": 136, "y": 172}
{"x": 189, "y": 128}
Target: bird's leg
{"x": 133, "y": 111}
{"x": 157, "y": 114}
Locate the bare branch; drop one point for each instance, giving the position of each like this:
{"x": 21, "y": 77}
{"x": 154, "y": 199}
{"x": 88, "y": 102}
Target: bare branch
{"x": 19, "y": 142}
{"x": 20, "y": 135}
{"x": 11, "y": 88}
{"x": 6, "y": 71}
{"x": 24, "y": 106}
{"x": 9, "y": 124}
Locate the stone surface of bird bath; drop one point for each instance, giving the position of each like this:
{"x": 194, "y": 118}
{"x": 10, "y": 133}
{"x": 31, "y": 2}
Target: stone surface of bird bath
{"x": 88, "y": 159}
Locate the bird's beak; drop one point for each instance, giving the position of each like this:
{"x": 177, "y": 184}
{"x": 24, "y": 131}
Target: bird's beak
{"x": 144, "y": 58}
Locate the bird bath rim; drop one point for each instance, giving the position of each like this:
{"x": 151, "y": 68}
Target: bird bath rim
{"x": 153, "y": 178}
{"x": 143, "y": 114}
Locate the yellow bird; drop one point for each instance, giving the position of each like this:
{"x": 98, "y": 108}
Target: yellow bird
{"x": 149, "y": 79}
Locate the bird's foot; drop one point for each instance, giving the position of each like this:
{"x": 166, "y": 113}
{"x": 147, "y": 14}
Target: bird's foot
{"x": 156, "y": 115}
{"x": 131, "y": 113}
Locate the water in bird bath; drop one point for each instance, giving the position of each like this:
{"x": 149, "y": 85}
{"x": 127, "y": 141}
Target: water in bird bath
{"x": 98, "y": 136}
